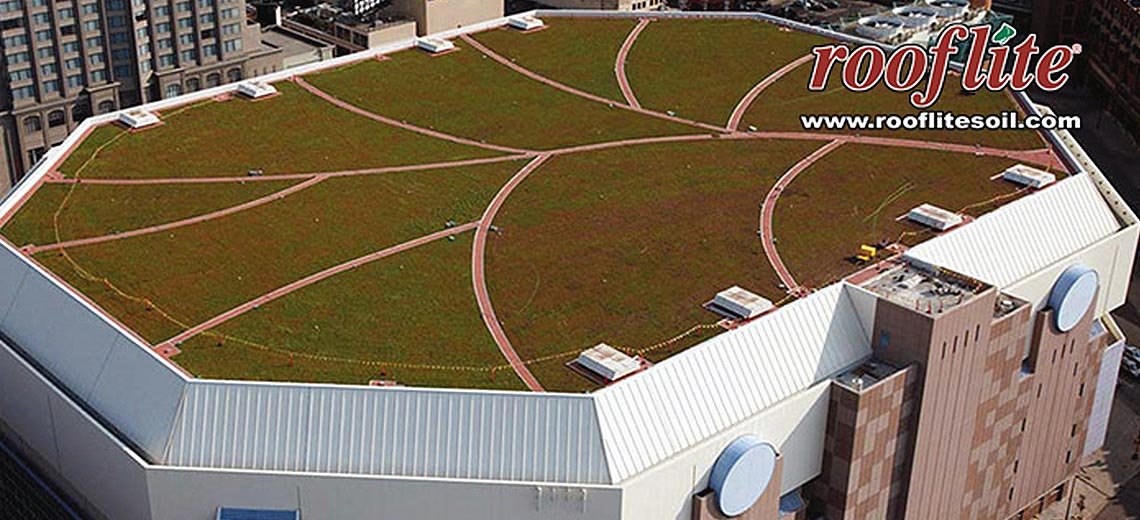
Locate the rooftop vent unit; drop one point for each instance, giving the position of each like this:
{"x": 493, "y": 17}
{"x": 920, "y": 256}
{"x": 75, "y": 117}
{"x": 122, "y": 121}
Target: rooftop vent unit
{"x": 256, "y": 89}
{"x": 916, "y": 16}
{"x": 1029, "y": 176}
{"x": 949, "y": 8}
{"x": 880, "y": 28}
{"x": 525, "y": 23}
{"x": 608, "y": 362}
{"x": 741, "y": 303}
{"x": 136, "y": 119}
{"x": 935, "y": 217}
{"x": 435, "y": 45}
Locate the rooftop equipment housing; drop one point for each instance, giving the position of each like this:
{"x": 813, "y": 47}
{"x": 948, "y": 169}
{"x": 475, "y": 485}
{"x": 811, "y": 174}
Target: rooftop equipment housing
{"x": 256, "y": 89}
{"x": 949, "y": 8}
{"x": 608, "y": 362}
{"x": 879, "y": 28}
{"x": 1028, "y": 176}
{"x": 935, "y": 217}
{"x": 136, "y": 119}
{"x": 916, "y": 16}
{"x": 434, "y": 45}
{"x": 742, "y": 303}
{"x": 525, "y": 23}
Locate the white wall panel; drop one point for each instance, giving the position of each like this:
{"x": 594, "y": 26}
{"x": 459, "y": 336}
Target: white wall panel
{"x": 109, "y": 476}
{"x": 24, "y": 405}
{"x": 184, "y": 494}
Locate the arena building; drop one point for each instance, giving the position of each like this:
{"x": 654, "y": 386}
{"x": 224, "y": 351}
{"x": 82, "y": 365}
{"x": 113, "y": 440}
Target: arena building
{"x": 961, "y": 373}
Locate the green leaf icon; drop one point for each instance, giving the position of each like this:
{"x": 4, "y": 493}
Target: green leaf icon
{"x": 1004, "y": 34}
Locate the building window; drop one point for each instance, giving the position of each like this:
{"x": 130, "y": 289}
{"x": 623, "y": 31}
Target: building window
{"x": 19, "y": 75}
{"x": 79, "y": 112}
{"x": 51, "y": 86}
{"x": 193, "y": 85}
{"x": 33, "y": 124}
{"x": 173, "y": 90}
{"x": 23, "y": 92}
{"x": 233, "y": 75}
{"x": 106, "y": 107}
{"x": 213, "y": 80}
{"x": 56, "y": 118}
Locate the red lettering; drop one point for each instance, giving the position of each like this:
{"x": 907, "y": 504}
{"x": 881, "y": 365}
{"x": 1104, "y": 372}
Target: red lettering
{"x": 998, "y": 79}
{"x": 972, "y": 76}
{"x": 940, "y": 65}
{"x": 876, "y": 58}
{"x": 1053, "y": 61}
{"x": 825, "y": 58}
{"x": 917, "y": 70}
{"x": 1022, "y": 76}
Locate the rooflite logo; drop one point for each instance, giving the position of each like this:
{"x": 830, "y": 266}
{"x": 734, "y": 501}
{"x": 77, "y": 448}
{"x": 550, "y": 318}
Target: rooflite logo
{"x": 908, "y": 66}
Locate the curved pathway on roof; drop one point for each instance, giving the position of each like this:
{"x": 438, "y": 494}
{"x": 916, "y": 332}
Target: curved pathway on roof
{"x": 619, "y": 63}
{"x": 292, "y": 176}
{"x": 746, "y": 101}
{"x": 277, "y": 195}
{"x": 1043, "y": 157}
{"x": 1040, "y": 157}
{"x": 768, "y": 208}
{"x": 633, "y": 107}
{"x": 389, "y": 121}
{"x": 312, "y": 279}
{"x": 479, "y": 280}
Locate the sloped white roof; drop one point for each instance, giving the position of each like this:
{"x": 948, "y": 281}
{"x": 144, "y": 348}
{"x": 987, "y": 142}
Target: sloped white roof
{"x": 712, "y": 386}
{"x": 390, "y": 431}
{"x": 1024, "y": 236}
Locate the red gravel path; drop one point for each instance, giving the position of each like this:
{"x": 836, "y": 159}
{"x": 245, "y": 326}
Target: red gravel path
{"x": 742, "y": 107}
{"x": 389, "y": 121}
{"x": 480, "y": 282}
{"x": 312, "y": 279}
{"x": 179, "y": 223}
{"x": 766, "y": 231}
{"x": 619, "y": 63}
{"x": 567, "y": 88}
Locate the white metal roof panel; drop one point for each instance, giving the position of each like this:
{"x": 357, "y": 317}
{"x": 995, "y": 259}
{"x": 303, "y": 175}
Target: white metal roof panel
{"x": 390, "y": 431}
{"x": 1024, "y": 236}
{"x": 708, "y": 388}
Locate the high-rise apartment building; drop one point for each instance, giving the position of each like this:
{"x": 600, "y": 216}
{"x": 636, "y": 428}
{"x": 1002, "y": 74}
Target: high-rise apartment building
{"x": 66, "y": 59}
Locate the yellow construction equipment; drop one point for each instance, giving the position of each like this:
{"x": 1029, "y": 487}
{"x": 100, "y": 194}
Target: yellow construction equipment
{"x": 867, "y": 254}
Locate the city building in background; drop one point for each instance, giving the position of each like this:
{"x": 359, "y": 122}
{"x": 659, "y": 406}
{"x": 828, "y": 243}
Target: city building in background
{"x": 1114, "y": 63}
{"x": 356, "y": 25}
{"x": 66, "y": 60}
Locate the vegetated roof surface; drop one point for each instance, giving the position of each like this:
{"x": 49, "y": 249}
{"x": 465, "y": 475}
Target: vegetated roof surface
{"x": 479, "y": 218}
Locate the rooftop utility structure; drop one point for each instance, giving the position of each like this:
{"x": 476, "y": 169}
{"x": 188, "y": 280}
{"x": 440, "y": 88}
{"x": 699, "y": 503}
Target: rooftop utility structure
{"x": 608, "y": 362}
{"x": 935, "y": 217}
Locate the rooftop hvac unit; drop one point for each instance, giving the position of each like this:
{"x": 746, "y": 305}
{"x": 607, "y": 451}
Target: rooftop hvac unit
{"x": 525, "y": 23}
{"x": 256, "y": 89}
{"x": 1029, "y": 176}
{"x": 741, "y": 303}
{"x": 935, "y": 217}
{"x": 608, "y": 362}
{"x": 434, "y": 45}
{"x": 136, "y": 119}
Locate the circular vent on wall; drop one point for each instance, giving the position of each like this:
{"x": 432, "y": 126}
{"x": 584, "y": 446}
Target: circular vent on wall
{"x": 742, "y": 473}
{"x": 1072, "y": 295}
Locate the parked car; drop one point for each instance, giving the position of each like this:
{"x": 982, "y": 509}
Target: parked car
{"x": 1130, "y": 367}
{"x": 1132, "y": 353}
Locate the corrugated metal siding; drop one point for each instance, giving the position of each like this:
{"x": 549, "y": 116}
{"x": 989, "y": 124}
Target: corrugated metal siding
{"x": 708, "y": 388}
{"x": 406, "y": 432}
{"x": 1024, "y": 236}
